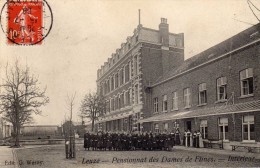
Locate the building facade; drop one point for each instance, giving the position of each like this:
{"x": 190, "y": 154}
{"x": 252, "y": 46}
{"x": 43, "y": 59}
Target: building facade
{"x": 149, "y": 87}
{"x": 216, "y": 92}
{"x": 126, "y": 76}
{"x": 5, "y": 129}
{"x": 42, "y": 131}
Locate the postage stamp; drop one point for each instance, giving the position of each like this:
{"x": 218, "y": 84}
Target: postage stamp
{"x": 27, "y": 22}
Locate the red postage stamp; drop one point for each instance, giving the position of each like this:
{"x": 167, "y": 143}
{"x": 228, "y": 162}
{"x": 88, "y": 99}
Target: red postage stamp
{"x": 27, "y": 21}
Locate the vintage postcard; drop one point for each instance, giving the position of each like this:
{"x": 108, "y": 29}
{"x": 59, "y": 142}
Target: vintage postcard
{"x": 129, "y": 83}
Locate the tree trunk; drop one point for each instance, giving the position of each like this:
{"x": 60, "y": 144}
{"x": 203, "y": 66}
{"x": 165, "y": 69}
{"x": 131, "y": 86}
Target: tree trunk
{"x": 17, "y": 136}
{"x": 93, "y": 124}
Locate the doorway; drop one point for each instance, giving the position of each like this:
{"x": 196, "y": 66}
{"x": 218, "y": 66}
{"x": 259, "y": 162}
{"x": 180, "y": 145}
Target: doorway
{"x": 188, "y": 125}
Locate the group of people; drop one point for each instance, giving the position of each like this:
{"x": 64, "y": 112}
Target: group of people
{"x": 133, "y": 141}
{"x": 192, "y": 139}
{"x": 140, "y": 141}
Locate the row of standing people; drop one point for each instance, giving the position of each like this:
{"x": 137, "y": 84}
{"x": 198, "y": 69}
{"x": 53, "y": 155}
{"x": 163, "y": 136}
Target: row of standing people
{"x": 141, "y": 141}
{"x": 134, "y": 141}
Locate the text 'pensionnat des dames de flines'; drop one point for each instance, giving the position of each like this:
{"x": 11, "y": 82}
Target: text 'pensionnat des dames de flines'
{"x": 165, "y": 159}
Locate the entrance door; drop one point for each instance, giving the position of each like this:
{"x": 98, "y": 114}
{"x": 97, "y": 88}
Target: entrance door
{"x": 188, "y": 125}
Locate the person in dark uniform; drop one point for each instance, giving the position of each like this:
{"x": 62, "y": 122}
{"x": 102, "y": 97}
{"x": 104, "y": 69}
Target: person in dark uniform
{"x": 119, "y": 142}
{"x": 149, "y": 141}
{"x": 134, "y": 141}
{"x": 99, "y": 140}
{"x": 109, "y": 141}
{"x": 171, "y": 137}
{"x": 130, "y": 143}
{"x": 104, "y": 141}
{"x": 154, "y": 142}
{"x": 158, "y": 141}
{"x": 124, "y": 141}
{"x": 140, "y": 141}
{"x": 189, "y": 135}
{"x": 167, "y": 142}
{"x": 114, "y": 141}
{"x": 144, "y": 141}
{"x": 87, "y": 142}
{"x": 95, "y": 141}
{"x": 198, "y": 139}
{"x": 162, "y": 138}
{"x": 177, "y": 137}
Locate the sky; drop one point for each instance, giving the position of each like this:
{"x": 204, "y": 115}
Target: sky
{"x": 85, "y": 33}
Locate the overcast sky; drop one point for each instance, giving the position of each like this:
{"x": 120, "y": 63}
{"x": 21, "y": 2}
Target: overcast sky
{"x": 86, "y": 32}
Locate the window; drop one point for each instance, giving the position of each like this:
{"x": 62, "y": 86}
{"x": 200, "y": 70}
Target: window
{"x": 122, "y": 80}
{"x": 127, "y": 98}
{"x": 248, "y": 128}
{"x": 155, "y": 105}
{"x": 122, "y": 100}
{"x": 223, "y": 128}
{"x": 101, "y": 89}
{"x": 136, "y": 94}
{"x": 107, "y": 106}
{"x": 175, "y": 101}
{"x": 107, "y": 86}
{"x": 187, "y": 98}
{"x": 246, "y": 82}
{"x": 135, "y": 65}
{"x": 164, "y": 103}
{"x": 126, "y": 71}
{"x": 166, "y": 126}
{"x": 119, "y": 101}
{"x": 104, "y": 88}
{"x": 116, "y": 80}
{"x": 112, "y": 105}
{"x": 130, "y": 70}
{"x": 204, "y": 129}
{"x": 156, "y": 128}
{"x": 221, "y": 88}
{"x": 116, "y": 103}
{"x": 112, "y": 83}
{"x": 202, "y": 94}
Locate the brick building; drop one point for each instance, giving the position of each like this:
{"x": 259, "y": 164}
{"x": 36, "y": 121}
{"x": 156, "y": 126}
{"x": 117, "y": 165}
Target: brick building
{"x": 124, "y": 79}
{"x": 5, "y": 129}
{"x": 216, "y": 91}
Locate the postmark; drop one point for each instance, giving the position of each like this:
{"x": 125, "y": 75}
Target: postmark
{"x": 26, "y": 22}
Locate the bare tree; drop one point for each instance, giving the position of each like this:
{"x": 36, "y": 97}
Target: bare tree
{"x": 70, "y": 101}
{"x": 92, "y": 106}
{"x": 20, "y": 97}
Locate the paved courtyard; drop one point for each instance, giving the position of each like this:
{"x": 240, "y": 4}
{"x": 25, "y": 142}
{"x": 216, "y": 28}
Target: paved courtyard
{"x": 54, "y": 157}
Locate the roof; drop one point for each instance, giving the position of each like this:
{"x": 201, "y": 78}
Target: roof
{"x": 245, "y": 37}
{"x": 219, "y": 110}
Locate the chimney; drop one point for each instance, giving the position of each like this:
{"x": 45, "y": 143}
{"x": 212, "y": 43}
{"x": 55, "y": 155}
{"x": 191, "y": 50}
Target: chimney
{"x": 164, "y": 32}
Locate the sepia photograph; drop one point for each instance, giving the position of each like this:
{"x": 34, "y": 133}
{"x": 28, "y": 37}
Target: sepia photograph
{"x": 129, "y": 83}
